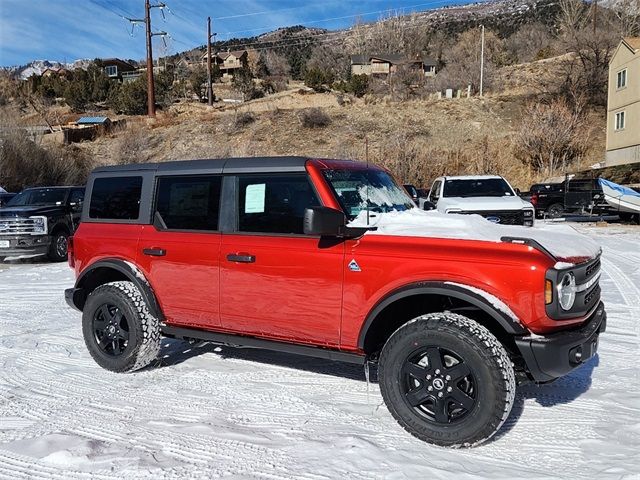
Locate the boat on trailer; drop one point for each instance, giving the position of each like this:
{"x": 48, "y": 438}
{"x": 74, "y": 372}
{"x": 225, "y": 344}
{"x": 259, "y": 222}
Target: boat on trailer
{"x": 620, "y": 198}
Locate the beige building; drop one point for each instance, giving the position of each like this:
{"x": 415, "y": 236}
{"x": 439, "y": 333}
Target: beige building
{"x": 228, "y": 62}
{"x": 389, "y": 63}
{"x": 623, "y": 106}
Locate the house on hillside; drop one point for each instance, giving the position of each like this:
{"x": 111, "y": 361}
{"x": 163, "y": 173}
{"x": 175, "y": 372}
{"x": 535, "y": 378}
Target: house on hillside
{"x": 623, "y": 104}
{"x": 228, "y": 62}
{"x": 120, "y": 70}
{"x": 54, "y": 72}
{"x": 388, "y": 64}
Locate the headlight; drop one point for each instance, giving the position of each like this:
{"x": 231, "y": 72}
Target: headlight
{"x": 528, "y": 213}
{"x": 39, "y": 225}
{"x": 567, "y": 291}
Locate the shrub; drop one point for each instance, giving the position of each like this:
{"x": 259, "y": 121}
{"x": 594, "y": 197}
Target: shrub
{"x": 358, "y": 85}
{"x": 243, "y": 119}
{"x": 317, "y": 79}
{"x": 24, "y": 163}
{"x": 314, "y": 118}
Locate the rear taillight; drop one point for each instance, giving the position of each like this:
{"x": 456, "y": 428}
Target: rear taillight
{"x": 534, "y": 199}
{"x": 70, "y": 257}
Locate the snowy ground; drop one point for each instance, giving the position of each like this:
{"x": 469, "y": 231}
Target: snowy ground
{"x": 245, "y": 413}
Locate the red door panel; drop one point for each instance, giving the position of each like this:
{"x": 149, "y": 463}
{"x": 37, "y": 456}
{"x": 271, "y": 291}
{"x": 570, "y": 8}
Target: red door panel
{"x": 184, "y": 273}
{"x": 291, "y": 289}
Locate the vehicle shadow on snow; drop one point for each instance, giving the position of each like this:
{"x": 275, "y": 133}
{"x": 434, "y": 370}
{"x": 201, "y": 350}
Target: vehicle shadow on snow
{"x": 562, "y": 391}
{"x": 174, "y": 352}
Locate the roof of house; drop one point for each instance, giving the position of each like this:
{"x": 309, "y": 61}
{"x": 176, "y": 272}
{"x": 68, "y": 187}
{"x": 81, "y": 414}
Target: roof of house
{"x": 117, "y": 61}
{"x": 92, "y": 120}
{"x": 633, "y": 42}
{"x": 235, "y": 53}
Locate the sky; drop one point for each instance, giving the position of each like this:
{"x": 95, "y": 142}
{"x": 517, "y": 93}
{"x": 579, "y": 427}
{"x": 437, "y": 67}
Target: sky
{"x": 66, "y": 30}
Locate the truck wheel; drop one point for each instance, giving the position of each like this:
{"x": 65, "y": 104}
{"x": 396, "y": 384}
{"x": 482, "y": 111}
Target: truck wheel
{"x": 555, "y": 211}
{"x": 447, "y": 380}
{"x": 119, "y": 331}
{"x": 58, "y": 246}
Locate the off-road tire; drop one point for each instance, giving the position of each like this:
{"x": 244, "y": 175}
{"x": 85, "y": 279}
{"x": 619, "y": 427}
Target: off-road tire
{"x": 144, "y": 329}
{"x": 482, "y": 353}
{"x": 55, "y": 254}
{"x": 555, "y": 211}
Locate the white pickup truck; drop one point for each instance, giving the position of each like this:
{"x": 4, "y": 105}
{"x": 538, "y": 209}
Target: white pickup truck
{"x": 490, "y": 196}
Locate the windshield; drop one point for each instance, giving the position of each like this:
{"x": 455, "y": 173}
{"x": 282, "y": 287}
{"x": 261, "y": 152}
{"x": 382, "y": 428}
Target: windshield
{"x": 485, "y": 187}
{"x": 372, "y": 190}
{"x": 37, "y": 197}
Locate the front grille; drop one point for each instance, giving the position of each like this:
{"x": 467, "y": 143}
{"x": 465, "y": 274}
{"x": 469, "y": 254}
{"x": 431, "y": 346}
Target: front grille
{"x": 594, "y": 294}
{"x": 593, "y": 268}
{"x": 505, "y": 217}
{"x": 17, "y": 226}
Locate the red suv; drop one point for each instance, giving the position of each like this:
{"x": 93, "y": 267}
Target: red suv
{"x": 332, "y": 259}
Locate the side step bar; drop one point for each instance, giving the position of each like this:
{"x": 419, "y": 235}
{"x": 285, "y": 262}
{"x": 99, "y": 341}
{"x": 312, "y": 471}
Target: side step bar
{"x": 251, "y": 342}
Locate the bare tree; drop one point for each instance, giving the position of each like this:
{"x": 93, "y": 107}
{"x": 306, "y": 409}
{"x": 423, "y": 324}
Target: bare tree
{"x": 628, "y": 15}
{"x": 552, "y": 136}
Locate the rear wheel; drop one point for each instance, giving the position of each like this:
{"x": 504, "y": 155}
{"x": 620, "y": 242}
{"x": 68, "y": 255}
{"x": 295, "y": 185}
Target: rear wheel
{"x": 58, "y": 246}
{"x": 119, "y": 331}
{"x": 447, "y": 380}
{"x": 555, "y": 211}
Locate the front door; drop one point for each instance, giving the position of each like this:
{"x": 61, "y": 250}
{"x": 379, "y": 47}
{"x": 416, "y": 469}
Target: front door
{"x": 275, "y": 281}
{"x": 180, "y": 252}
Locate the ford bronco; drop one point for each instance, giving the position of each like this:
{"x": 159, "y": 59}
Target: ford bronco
{"x": 332, "y": 259}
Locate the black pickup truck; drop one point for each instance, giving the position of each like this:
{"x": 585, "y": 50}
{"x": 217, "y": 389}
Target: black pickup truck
{"x": 37, "y": 221}
{"x": 573, "y": 196}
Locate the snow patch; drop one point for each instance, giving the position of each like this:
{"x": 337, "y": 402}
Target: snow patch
{"x": 562, "y": 241}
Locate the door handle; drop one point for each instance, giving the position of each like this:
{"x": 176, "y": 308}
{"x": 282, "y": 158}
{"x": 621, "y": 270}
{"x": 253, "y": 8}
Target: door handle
{"x": 154, "y": 252}
{"x": 241, "y": 258}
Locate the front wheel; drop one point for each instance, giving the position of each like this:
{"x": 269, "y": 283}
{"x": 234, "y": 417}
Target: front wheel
{"x": 58, "y": 247}
{"x": 555, "y": 211}
{"x": 119, "y": 331}
{"x": 447, "y": 380}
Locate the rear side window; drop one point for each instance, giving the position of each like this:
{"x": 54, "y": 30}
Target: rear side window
{"x": 274, "y": 203}
{"x": 116, "y": 198}
{"x": 189, "y": 203}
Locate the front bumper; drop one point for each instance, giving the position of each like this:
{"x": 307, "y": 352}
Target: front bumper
{"x": 24, "y": 245}
{"x": 551, "y": 356}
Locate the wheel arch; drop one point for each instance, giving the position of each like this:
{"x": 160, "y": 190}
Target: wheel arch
{"x": 112, "y": 270}
{"x": 411, "y": 301}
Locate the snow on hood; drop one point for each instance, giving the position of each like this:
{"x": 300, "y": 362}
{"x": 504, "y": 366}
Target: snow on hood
{"x": 483, "y": 203}
{"x": 562, "y": 241}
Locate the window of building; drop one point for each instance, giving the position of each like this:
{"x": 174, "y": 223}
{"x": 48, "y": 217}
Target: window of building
{"x": 620, "y": 120}
{"x": 274, "y": 203}
{"x": 111, "y": 71}
{"x": 621, "y": 80}
{"x": 189, "y": 202}
{"x": 116, "y": 198}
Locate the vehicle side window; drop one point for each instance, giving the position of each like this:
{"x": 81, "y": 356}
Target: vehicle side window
{"x": 189, "y": 202}
{"x": 435, "y": 191}
{"x": 116, "y": 198}
{"x": 274, "y": 203}
{"x": 77, "y": 196}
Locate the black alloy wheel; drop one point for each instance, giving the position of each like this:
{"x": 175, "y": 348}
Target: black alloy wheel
{"x": 111, "y": 330}
{"x": 438, "y": 385}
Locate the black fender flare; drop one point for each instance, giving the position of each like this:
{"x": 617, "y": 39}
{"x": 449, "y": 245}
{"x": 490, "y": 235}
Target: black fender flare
{"x": 130, "y": 271}
{"x": 509, "y": 324}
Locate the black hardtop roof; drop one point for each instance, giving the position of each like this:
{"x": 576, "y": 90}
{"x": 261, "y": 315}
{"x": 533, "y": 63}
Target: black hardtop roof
{"x": 214, "y": 166}
{"x": 217, "y": 165}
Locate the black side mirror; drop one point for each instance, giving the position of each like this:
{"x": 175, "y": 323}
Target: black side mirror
{"x": 429, "y": 205}
{"x": 518, "y": 191}
{"x": 324, "y": 221}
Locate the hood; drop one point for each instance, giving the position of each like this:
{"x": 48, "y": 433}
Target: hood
{"x": 478, "y": 204}
{"x": 562, "y": 241}
{"x": 28, "y": 211}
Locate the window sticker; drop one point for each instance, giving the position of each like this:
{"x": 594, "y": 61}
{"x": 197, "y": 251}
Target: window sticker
{"x": 254, "y": 199}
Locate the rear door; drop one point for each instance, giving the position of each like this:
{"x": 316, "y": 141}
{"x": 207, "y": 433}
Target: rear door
{"x": 179, "y": 251}
{"x": 275, "y": 281}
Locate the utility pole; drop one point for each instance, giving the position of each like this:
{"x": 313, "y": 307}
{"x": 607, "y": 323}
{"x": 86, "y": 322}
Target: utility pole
{"x": 151, "y": 96}
{"x": 482, "y": 61}
{"x": 209, "y": 80}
